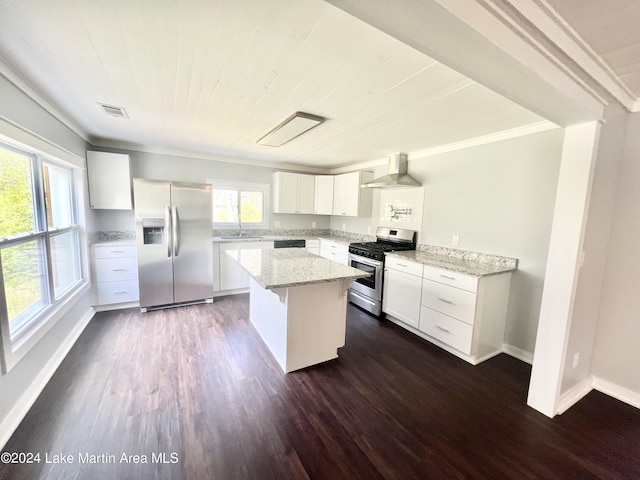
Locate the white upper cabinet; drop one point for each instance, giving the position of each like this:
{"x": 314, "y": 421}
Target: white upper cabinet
{"x": 109, "y": 180}
{"x": 293, "y": 193}
{"x": 348, "y": 198}
{"x": 324, "y": 195}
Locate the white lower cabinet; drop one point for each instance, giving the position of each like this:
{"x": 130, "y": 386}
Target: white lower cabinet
{"x": 229, "y": 277}
{"x": 335, "y": 251}
{"x": 313, "y": 246}
{"x": 402, "y": 290}
{"x": 115, "y": 273}
{"x": 463, "y": 314}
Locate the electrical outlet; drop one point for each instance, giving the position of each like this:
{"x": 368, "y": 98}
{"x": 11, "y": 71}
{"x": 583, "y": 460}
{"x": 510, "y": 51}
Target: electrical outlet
{"x": 277, "y": 224}
{"x": 344, "y": 227}
{"x": 455, "y": 241}
{"x": 313, "y": 224}
{"x": 576, "y": 359}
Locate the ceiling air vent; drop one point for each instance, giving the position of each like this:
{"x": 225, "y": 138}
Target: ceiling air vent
{"x": 114, "y": 111}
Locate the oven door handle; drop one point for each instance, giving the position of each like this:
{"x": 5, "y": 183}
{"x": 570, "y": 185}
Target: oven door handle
{"x": 366, "y": 261}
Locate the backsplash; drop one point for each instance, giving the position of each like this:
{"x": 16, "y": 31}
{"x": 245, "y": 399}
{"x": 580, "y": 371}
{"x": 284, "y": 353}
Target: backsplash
{"x": 469, "y": 256}
{"x": 401, "y": 208}
{"x": 108, "y": 236}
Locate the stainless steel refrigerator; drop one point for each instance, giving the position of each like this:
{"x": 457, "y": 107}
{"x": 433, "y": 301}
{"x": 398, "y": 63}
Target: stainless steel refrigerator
{"x": 173, "y": 235}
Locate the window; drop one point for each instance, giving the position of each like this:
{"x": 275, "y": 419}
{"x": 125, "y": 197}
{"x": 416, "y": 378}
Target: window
{"x": 39, "y": 238}
{"x": 240, "y": 204}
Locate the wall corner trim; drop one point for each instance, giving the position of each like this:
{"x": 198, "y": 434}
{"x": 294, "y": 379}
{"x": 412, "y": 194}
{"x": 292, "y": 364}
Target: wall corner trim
{"x": 574, "y": 395}
{"x": 10, "y": 423}
{"x": 515, "y": 352}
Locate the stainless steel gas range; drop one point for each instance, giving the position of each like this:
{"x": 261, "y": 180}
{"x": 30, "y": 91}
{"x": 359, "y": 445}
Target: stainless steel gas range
{"x": 369, "y": 256}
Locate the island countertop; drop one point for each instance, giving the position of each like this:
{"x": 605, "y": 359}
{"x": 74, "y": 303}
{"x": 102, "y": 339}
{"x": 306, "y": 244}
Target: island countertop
{"x": 290, "y": 267}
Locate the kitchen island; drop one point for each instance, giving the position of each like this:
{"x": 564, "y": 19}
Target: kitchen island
{"x": 298, "y": 303}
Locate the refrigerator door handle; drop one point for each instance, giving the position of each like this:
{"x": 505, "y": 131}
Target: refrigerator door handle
{"x": 175, "y": 231}
{"x": 167, "y": 222}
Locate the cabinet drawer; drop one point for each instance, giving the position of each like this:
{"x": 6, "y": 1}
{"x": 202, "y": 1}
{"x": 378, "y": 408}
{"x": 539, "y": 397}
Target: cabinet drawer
{"x": 118, "y": 292}
{"x": 334, "y": 246}
{"x": 116, "y": 269}
{"x": 448, "y": 277}
{"x": 337, "y": 256}
{"x": 402, "y": 265}
{"x": 451, "y": 301}
{"x": 453, "y": 332}
{"x": 312, "y": 243}
{"x": 115, "y": 251}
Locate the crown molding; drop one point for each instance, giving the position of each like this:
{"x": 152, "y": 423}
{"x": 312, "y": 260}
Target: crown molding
{"x": 176, "y": 152}
{"x": 554, "y": 29}
{"x": 9, "y": 72}
{"x": 452, "y": 147}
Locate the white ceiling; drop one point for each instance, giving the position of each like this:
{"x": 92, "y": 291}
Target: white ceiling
{"x": 213, "y": 76}
{"x": 611, "y": 29}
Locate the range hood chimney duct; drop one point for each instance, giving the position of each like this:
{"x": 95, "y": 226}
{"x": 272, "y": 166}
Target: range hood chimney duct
{"x": 397, "y": 176}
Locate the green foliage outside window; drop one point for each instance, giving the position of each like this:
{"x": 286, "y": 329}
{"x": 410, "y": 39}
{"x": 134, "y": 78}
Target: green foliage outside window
{"x": 20, "y": 263}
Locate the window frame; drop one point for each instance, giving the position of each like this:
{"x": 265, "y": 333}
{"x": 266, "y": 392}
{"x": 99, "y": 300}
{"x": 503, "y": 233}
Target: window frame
{"x": 264, "y": 188}
{"x": 17, "y": 341}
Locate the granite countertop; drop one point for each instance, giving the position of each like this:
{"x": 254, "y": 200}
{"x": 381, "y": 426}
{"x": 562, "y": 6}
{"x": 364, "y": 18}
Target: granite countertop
{"x": 123, "y": 242}
{"x": 461, "y": 264}
{"x": 270, "y": 238}
{"x": 290, "y": 267}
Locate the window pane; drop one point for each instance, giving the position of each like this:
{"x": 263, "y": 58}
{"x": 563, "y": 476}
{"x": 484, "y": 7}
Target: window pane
{"x": 225, "y": 206}
{"x": 64, "y": 261}
{"x": 16, "y": 195}
{"x": 57, "y": 195}
{"x": 24, "y": 280}
{"x": 251, "y": 203}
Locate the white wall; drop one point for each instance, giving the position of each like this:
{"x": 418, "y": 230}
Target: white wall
{"x": 19, "y": 386}
{"x": 499, "y": 198}
{"x": 617, "y": 345}
{"x": 167, "y": 167}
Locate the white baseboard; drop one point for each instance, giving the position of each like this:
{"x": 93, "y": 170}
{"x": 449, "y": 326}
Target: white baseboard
{"x": 616, "y": 391}
{"x": 28, "y": 398}
{"x": 115, "y": 306}
{"x": 573, "y": 395}
{"x": 518, "y": 353}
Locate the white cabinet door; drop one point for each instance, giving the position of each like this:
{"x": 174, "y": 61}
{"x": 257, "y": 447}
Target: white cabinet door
{"x": 232, "y": 275}
{"x": 285, "y": 192}
{"x": 324, "y": 195}
{"x": 348, "y": 198}
{"x": 306, "y": 193}
{"x": 293, "y": 193}
{"x": 109, "y": 180}
{"x": 401, "y": 297}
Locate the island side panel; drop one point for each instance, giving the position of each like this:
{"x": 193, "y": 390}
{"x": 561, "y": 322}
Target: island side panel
{"x": 269, "y": 317}
{"x": 316, "y": 323}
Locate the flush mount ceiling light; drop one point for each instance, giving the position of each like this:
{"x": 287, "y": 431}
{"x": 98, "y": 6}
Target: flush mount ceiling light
{"x": 114, "y": 111}
{"x": 295, "y": 125}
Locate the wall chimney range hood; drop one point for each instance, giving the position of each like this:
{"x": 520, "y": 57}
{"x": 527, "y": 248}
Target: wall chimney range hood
{"x": 397, "y": 176}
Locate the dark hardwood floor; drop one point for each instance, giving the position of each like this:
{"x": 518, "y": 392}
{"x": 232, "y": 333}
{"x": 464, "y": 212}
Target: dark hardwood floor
{"x": 198, "y": 385}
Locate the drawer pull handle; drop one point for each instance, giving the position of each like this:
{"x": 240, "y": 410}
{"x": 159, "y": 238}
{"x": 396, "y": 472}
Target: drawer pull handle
{"x": 118, "y": 269}
{"x": 445, "y": 330}
{"x": 402, "y": 265}
{"x": 121, "y": 292}
{"x": 448, "y": 277}
{"x": 117, "y": 251}
{"x": 445, "y": 300}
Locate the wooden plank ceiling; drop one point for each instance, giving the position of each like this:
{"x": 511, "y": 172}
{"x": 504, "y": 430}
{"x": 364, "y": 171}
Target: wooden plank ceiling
{"x": 213, "y": 76}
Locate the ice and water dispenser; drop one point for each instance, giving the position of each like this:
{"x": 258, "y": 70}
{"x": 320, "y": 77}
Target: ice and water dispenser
{"x": 153, "y": 231}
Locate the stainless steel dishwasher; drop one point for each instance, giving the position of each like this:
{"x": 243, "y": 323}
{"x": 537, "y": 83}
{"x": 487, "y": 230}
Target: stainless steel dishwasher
{"x": 289, "y": 244}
